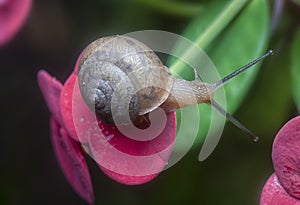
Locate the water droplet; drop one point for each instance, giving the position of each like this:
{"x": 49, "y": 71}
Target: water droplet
{"x": 81, "y": 119}
{"x": 109, "y": 137}
{"x": 85, "y": 148}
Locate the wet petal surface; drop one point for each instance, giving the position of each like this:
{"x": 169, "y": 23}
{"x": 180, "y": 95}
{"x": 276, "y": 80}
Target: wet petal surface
{"x": 130, "y": 161}
{"x": 126, "y": 160}
{"x": 66, "y": 103}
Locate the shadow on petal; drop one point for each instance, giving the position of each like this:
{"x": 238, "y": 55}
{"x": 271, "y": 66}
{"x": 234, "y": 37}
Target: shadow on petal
{"x": 71, "y": 159}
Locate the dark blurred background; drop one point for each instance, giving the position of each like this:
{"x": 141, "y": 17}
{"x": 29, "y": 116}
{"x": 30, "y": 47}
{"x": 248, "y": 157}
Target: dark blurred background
{"x": 52, "y": 38}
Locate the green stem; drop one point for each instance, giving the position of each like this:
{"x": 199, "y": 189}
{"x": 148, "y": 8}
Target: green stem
{"x": 220, "y": 22}
{"x": 173, "y": 7}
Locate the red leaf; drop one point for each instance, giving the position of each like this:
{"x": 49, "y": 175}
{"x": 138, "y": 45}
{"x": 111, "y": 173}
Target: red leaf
{"x": 286, "y": 156}
{"x": 72, "y": 162}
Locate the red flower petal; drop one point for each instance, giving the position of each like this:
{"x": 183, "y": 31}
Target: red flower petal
{"x": 12, "y": 15}
{"x": 66, "y": 103}
{"x": 128, "y": 180}
{"x": 274, "y": 194}
{"x": 51, "y": 90}
{"x": 69, "y": 101}
{"x": 72, "y": 162}
{"x": 130, "y": 161}
{"x": 77, "y": 63}
{"x": 125, "y": 160}
{"x": 286, "y": 156}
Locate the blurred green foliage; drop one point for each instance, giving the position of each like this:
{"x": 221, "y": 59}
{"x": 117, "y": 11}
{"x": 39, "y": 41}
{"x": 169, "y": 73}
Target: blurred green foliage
{"x": 295, "y": 67}
{"x": 57, "y": 31}
{"x": 222, "y": 33}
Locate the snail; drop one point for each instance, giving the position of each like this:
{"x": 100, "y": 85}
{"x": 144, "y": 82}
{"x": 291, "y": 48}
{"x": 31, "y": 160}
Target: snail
{"x": 122, "y": 79}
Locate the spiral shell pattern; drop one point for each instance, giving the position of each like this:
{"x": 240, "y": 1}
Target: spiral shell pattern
{"x": 120, "y": 76}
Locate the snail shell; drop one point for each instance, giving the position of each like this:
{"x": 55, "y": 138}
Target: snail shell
{"x": 124, "y": 69}
{"x": 121, "y": 79}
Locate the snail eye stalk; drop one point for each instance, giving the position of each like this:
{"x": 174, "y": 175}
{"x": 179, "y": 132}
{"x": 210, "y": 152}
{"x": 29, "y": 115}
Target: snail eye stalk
{"x": 221, "y": 82}
{"x": 233, "y": 120}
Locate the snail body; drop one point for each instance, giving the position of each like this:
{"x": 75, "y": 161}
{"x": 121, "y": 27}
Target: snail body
{"x": 122, "y": 80}
{"x": 129, "y": 70}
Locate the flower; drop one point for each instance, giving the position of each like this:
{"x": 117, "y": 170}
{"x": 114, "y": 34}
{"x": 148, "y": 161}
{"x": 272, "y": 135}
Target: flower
{"x": 283, "y": 187}
{"x": 274, "y": 194}
{"x": 12, "y": 16}
{"x": 76, "y": 132}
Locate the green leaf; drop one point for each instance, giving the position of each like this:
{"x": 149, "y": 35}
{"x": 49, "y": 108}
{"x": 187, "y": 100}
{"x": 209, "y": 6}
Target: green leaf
{"x": 232, "y": 34}
{"x": 205, "y": 28}
{"x": 179, "y": 8}
{"x": 295, "y": 68}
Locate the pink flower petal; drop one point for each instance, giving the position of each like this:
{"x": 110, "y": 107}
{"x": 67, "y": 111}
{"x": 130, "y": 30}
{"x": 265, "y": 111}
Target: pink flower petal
{"x": 66, "y": 103}
{"x": 78, "y": 62}
{"x": 274, "y": 194}
{"x": 51, "y": 89}
{"x": 72, "y": 162}
{"x": 128, "y": 180}
{"x": 286, "y": 156}
{"x": 12, "y": 15}
{"x": 129, "y": 161}
{"x": 71, "y": 101}
{"x": 125, "y": 160}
